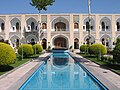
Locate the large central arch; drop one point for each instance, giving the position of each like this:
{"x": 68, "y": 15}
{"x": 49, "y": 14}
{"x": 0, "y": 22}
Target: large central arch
{"x": 60, "y": 41}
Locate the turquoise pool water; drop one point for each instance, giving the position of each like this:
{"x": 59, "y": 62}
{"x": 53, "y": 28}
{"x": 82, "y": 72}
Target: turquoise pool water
{"x": 62, "y": 73}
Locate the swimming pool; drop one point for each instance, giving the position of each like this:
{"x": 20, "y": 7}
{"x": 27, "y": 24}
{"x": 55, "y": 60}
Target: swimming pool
{"x": 62, "y": 73}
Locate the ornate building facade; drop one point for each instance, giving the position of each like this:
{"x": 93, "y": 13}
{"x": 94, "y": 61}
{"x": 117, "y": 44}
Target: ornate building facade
{"x": 60, "y": 30}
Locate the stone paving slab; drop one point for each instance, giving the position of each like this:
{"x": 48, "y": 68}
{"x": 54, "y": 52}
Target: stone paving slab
{"x": 107, "y": 77}
{"x": 13, "y": 78}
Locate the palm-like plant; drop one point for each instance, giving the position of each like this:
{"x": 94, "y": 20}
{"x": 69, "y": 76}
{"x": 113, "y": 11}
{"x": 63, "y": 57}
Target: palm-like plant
{"x": 41, "y": 5}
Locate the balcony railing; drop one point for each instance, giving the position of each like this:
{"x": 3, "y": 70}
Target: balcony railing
{"x": 58, "y": 30}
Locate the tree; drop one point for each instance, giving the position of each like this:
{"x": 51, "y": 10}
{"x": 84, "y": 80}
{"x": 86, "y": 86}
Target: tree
{"x": 116, "y": 51}
{"x": 118, "y": 41}
{"x": 41, "y": 5}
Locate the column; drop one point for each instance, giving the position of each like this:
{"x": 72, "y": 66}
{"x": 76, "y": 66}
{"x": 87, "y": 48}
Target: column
{"x": 22, "y": 25}
{"x": 81, "y": 29}
{"x": 7, "y": 27}
{"x": 97, "y": 31}
{"x": 71, "y": 28}
{"x": 49, "y": 43}
{"x": 113, "y": 31}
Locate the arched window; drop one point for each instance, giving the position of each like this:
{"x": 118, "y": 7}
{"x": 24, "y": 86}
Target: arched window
{"x": 76, "y": 26}
{"x": 13, "y": 28}
{"x": 28, "y": 27}
{"x": 32, "y": 26}
{"x": 103, "y": 26}
{"x": 60, "y": 26}
{"x": 2, "y": 26}
{"x": 36, "y": 28}
{"x": 17, "y": 26}
{"x": 118, "y": 26}
{"x": 92, "y": 27}
{"x": 44, "y": 26}
{"x": 87, "y": 26}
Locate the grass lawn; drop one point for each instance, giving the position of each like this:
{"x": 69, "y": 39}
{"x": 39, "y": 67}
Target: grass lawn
{"x": 18, "y": 63}
{"x": 114, "y": 67}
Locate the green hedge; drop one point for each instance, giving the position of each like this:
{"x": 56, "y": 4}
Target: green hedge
{"x": 37, "y": 48}
{"x": 97, "y": 49}
{"x": 7, "y": 54}
{"x": 26, "y": 49}
{"x": 84, "y": 48}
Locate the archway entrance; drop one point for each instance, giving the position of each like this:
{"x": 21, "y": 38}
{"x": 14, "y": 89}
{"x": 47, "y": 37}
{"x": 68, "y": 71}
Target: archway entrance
{"x": 15, "y": 41}
{"x": 44, "y": 43}
{"x": 60, "y": 42}
{"x": 106, "y": 40}
{"x": 76, "y": 43}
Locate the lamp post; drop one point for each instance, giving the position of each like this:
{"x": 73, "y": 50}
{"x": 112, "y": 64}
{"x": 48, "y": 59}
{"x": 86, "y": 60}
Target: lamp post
{"x": 15, "y": 45}
{"x": 35, "y": 49}
{"x": 22, "y": 41}
{"x": 113, "y": 44}
{"x": 39, "y": 29}
{"x": 100, "y": 52}
{"x": 89, "y": 19}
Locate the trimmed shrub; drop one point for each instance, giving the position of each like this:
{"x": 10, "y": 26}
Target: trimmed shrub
{"x": 116, "y": 53}
{"x": 37, "y": 48}
{"x": 84, "y": 48}
{"x": 7, "y": 54}
{"x": 26, "y": 49}
{"x": 97, "y": 49}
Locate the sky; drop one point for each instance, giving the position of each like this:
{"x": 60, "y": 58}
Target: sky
{"x": 61, "y": 6}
